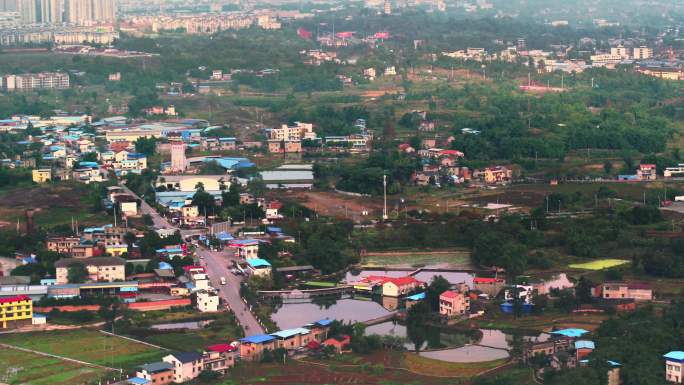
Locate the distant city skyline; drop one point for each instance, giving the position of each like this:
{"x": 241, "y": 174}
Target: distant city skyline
{"x": 79, "y": 12}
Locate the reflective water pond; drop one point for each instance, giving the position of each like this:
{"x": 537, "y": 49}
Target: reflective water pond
{"x": 293, "y": 315}
{"x": 471, "y": 353}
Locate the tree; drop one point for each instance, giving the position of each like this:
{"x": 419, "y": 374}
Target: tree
{"x": 77, "y": 273}
{"x": 417, "y": 317}
{"x": 437, "y": 286}
{"x": 608, "y": 167}
{"x": 147, "y": 146}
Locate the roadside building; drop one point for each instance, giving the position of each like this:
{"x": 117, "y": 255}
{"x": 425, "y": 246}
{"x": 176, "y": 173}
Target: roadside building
{"x": 252, "y": 347}
{"x": 292, "y": 339}
{"x": 646, "y": 172}
{"x": 207, "y": 301}
{"x": 259, "y": 267}
{"x": 246, "y": 248}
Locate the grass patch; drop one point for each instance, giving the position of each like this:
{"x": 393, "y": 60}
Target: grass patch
{"x": 454, "y": 257}
{"x": 19, "y": 367}
{"x": 431, "y": 367}
{"x": 599, "y": 264}
{"x": 87, "y": 345}
{"x": 320, "y": 284}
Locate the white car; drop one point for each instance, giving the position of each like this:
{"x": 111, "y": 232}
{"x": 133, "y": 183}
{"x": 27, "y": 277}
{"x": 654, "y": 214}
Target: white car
{"x": 223, "y": 280}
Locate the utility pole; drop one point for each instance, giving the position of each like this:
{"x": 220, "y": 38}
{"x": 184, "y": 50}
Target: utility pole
{"x": 384, "y": 188}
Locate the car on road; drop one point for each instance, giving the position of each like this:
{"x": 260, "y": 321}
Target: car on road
{"x": 235, "y": 271}
{"x": 223, "y": 280}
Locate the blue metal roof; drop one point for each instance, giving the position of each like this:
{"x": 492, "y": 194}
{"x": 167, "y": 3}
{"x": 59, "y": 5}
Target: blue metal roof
{"x": 675, "y": 355}
{"x": 257, "y": 339}
{"x": 258, "y": 262}
{"x": 324, "y": 322}
{"x": 416, "y": 297}
{"x": 573, "y": 333}
{"x": 273, "y": 229}
{"x": 290, "y": 332}
{"x": 583, "y": 344}
{"x": 138, "y": 381}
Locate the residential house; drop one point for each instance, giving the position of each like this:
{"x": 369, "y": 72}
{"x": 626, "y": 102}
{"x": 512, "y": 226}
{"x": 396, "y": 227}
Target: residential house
{"x": 646, "y": 172}
{"x": 219, "y": 358}
{"x": 340, "y": 343}
{"x": 62, "y": 245}
{"x": 548, "y": 347}
{"x": 674, "y": 365}
{"x": 42, "y": 175}
{"x": 273, "y": 210}
{"x": 158, "y": 373}
{"x": 389, "y": 286}
{"x": 319, "y": 329}
{"x": 259, "y": 267}
{"x": 495, "y": 175}
{"x": 252, "y": 347}
{"x": 292, "y": 339}
{"x": 284, "y": 146}
{"x": 15, "y": 311}
{"x": 453, "y": 304}
{"x": 246, "y": 248}
{"x": 624, "y": 290}
{"x": 207, "y": 301}
{"x": 583, "y": 348}
{"x": 489, "y": 286}
{"x": 186, "y": 366}
{"x": 116, "y": 250}
{"x": 100, "y": 269}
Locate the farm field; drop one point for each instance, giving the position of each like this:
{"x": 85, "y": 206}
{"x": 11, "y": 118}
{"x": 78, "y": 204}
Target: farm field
{"x": 54, "y": 204}
{"x": 18, "y": 367}
{"x": 599, "y": 264}
{"x": 450, "y": 258}
{"x": 387, "y": 368}
{"x": 87, "y": 345}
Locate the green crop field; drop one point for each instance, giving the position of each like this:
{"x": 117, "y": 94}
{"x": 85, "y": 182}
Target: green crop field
{"x": 451, "y": 258}
{"x": 88, "y": 346}
{"x": 18, "y": 367}
{"x": 599, "y": 264}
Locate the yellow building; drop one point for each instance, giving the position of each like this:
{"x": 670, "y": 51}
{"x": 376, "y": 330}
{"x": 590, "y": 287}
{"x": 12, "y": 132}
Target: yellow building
{"x": 15, "y": 311}
{"x": 42, "y": 175}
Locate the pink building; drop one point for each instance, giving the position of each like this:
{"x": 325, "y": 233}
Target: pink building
{"x": 453, "y": 304}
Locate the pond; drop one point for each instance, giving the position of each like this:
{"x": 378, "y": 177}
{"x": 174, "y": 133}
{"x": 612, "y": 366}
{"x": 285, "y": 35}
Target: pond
{"x": 465, "y": 354}
{"x": 450, "y": 346}
{"x": 294, "y": 315}
{"x": 192, "y": 325}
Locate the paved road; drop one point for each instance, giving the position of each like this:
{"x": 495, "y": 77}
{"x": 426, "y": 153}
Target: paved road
{"x": 217, "y": 266}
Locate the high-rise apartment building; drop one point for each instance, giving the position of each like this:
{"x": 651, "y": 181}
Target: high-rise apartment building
{"x": 178, "y": 160}
{"x": 51, "y": 11}
{"x": 28, "y": 10}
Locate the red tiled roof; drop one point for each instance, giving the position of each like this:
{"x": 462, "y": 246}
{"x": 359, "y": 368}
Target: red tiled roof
{"x": 17, "y": 298}
{"x": 449, "y": 294}
{"x": 222, "y": 348}
{"x": 400, "y": 281}
{"x": 313, "y": 345}
{"x": 647, "y": 165}
{"x": 484, "y": 280}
